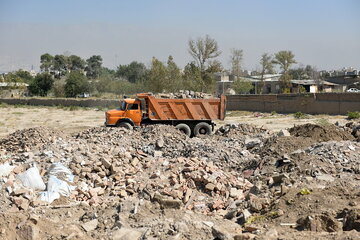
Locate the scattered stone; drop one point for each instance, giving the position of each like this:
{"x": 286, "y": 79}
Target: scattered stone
{"x": 90, "y": 225}
{"x": 284, "y": 133}
{"x": 126, "y": 234}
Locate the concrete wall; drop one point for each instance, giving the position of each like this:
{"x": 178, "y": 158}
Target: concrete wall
{"x": 62, "y": 102}
{"x": 318, "y": 103}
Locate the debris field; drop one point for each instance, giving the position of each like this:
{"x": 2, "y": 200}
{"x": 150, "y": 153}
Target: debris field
{"x": 242, "y": 182}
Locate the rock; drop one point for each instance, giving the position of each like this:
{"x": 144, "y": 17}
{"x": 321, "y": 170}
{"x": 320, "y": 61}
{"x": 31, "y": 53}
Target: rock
{"x": 326, "y": 177}
{"x": 158, "y": 153}
{"x": 272, "y": 234}
{"x": 160, "y": 143}
{"x": 106, "y": 163}
{"x": 170, "y": 203}
{"x": 236, "y": 193}
{"x": 126, "y": 234}
{"x": 352, "y": 220}
{"x": 252, "y": 142}
{"x": 208, "y": 224}
{"x": 220, "y": 233}
{"x": 284, "y": 133}
{"x": 279, "y": 178}
{"x": 210, "y": 186}
{"x": 90, "y": 226}
{"x": 318, "y": 223}
{"x": 21, "y": 203}
{"x": 244, "y": 236}
{"x": 28, "y": 232}
{"x": 135, "y": 162}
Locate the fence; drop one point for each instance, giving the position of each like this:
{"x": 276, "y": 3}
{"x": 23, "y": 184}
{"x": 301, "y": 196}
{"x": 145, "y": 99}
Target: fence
{"x": 317, "y": 103}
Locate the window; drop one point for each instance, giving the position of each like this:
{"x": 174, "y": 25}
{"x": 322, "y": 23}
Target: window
{"x": 133, "y": 107}
{"x": 122, "y": 106}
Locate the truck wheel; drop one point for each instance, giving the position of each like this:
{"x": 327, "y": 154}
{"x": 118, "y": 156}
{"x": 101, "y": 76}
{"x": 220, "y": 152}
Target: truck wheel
{"x": 184, "y": 128}
{"x": 202, "y": 129}
{"x": 125, "y": 125}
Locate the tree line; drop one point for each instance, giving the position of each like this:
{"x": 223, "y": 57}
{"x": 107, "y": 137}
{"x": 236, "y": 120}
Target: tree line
{"x": 69, "y": 76}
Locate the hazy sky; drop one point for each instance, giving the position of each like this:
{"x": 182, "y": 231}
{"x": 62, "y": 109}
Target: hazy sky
{"x": 323, "y": 33}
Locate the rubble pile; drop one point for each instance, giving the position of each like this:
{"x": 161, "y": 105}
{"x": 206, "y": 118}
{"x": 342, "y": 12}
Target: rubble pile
{"x": 29, "y": 139}
{"x": 354, "y": 128}
{"x": 242, "y": 182}
{"x": 185, "y": 94}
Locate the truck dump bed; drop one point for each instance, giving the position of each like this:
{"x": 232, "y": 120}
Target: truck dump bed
{"x": 185, "y": 109}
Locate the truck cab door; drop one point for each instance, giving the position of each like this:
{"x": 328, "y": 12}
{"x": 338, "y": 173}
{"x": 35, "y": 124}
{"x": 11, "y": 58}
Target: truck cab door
{"x": 134, "y": 113}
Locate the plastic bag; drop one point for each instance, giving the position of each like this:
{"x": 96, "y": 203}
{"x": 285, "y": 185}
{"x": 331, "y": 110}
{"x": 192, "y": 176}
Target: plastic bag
{"x": 31, "y": 179}
{"x": 56, "y": 185}
{"x": 48, "y": 196}
{"x": 5, "y": 169}
{"x": 61, "y": 172}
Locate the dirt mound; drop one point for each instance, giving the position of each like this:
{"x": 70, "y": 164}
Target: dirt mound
{"x": 320, "y": 133}
{"x": 30, "y": 139}
{"x": 277, "y": 146}
{"x": 232, "y": 129}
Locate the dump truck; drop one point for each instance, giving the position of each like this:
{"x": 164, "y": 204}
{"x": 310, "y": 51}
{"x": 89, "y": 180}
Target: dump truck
{"x": 191, "y": 116}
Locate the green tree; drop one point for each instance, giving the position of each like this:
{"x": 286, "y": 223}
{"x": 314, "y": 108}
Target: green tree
{"x": 47, "y": 62}
{"x": 134, "y": 72}
{"x": 12, "y": 77}
{"x": 242, "y": 86}
{"x": 285, "y": 59}
{"x": 76, "y": 83}
{"x": 157, "y": 76}
{"x": 236, "y": 61}
{"x": 208, "y": 76}
{"x": 93, "y": 68}
{"x": 267, "y": 67}
{"x": 203, "y": 50}
{"x": 25, "y": 76}
{"x": 41, "y": 84}
{"x": 75, "y": 63}
{"x": 60, "y": 65}
{"x": 173, "y": 76}
{"x": 192, "y": 77}
{"x": 58, "y": 89}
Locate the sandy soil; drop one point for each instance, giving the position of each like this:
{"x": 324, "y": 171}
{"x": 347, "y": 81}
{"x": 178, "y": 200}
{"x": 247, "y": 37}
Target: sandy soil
{"x": 16, "y": 118}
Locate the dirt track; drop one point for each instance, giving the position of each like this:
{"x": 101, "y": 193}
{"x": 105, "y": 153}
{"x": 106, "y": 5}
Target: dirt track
{"x": 16, "y": 118}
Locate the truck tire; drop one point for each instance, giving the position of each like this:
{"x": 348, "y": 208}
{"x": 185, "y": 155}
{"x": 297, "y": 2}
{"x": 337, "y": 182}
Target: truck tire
{"x": 202, "y": 128}
{"x": 125, "y": 125}
{"x": 184, "y": 128}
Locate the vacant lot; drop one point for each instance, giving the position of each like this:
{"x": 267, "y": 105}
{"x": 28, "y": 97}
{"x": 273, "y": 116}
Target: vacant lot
{"x": 242, "y": 182}
{"x": 72, "y": 120}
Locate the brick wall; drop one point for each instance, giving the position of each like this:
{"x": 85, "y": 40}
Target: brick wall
{"x": 318, "y": 103}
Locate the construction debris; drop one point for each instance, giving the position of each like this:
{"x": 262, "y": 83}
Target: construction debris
{"x": 242, "y": 182}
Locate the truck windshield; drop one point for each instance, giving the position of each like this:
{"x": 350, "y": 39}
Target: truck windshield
{"x": 122, "y": 106}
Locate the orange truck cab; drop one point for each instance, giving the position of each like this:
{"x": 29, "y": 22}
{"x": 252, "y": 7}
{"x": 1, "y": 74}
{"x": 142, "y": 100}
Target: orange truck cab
{"x": 191, "y": 116}
{"x": 128, "y": 112}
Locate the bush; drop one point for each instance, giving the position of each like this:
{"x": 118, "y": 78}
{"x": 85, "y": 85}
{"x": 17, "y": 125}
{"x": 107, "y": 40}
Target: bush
{"x": 242, "y": 86}
{"x": 41, "y": 84}
{"x": 353, "y": 115}
{"x": 300, "y": 115}
{"x": 322, "y": 122}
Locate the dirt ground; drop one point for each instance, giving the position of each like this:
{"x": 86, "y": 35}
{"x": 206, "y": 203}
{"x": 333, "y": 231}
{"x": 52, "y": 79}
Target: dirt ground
{"x": 74, "y": 120}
